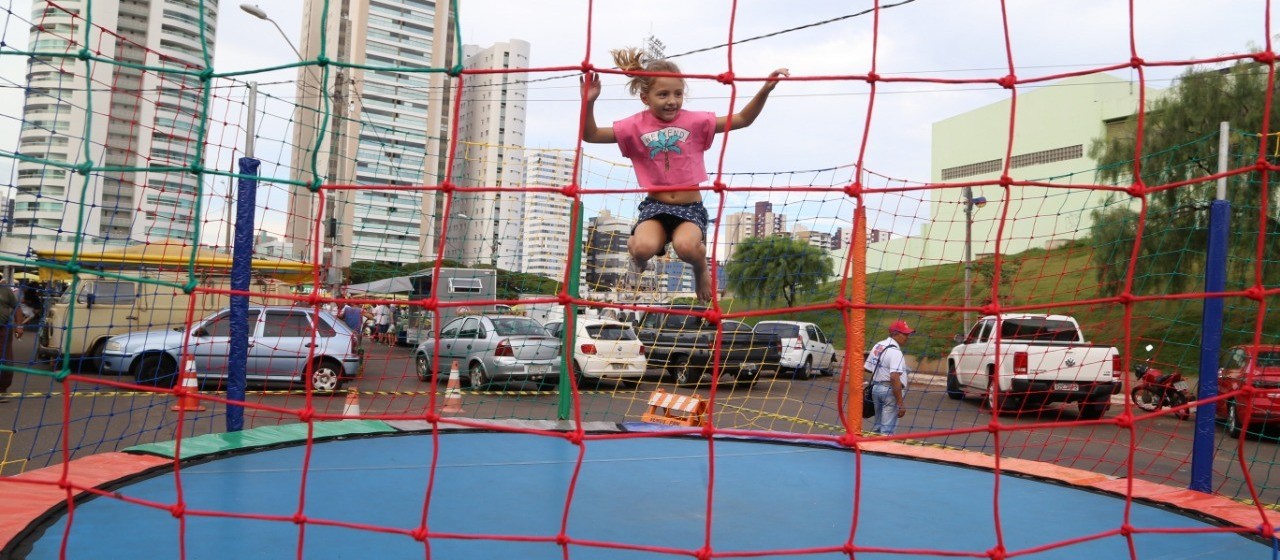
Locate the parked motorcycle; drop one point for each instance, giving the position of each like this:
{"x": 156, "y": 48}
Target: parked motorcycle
{"x": 1157, "y": 389}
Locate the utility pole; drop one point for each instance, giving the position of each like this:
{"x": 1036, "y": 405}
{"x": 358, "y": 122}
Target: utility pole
{"x": 968, "y": 256}
{"x": 250, "y": 126}
{"x": 335, "y": 208}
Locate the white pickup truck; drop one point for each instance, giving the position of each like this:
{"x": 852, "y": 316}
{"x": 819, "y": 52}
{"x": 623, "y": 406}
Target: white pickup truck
{"x": 1042, "y": 359}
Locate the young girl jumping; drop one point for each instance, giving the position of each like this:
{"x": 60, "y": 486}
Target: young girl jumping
{"x": 666, "y": 145}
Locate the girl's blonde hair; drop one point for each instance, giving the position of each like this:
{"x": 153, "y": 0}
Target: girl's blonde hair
{"x": 632, "y": 59}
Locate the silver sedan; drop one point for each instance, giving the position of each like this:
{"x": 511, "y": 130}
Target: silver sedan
{"x": 489, "y": 348}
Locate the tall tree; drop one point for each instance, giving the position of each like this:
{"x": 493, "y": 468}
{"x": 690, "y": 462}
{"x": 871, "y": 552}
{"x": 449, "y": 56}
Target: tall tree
{"x": 765, "y": 268}
{"x": 1180, "y": 144}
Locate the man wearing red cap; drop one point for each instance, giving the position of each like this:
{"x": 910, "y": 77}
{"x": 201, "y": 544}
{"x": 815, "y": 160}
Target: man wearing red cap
{"x": 886, "y": 369}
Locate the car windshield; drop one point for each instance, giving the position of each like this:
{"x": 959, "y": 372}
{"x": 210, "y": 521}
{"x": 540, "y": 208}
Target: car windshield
{"x": 611, "y": 332}
{"x": 1269, "y": 359}
{"x": 1042, "y": 330}
{"x": 516, "y": 326}
{"x": 783, "y": 330}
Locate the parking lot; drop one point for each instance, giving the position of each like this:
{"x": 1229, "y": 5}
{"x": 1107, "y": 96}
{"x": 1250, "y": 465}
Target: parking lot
{"x": 105, "y": 416}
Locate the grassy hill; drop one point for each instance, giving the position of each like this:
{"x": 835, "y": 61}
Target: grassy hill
{"x": 1061, "y": 280}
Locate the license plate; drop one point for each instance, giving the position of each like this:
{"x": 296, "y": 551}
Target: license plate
{"x": 618, "y": 366}
{"x": 537, "y": 369}
{"x": 1066, "y": 386}
{"x": 1180, "y": 385}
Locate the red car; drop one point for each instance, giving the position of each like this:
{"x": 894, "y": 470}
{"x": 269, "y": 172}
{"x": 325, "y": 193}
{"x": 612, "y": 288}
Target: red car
{"x": 1258, "y": 366}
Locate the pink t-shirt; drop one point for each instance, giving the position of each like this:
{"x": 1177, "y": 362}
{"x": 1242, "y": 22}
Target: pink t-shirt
{"x": 667, "y": 154}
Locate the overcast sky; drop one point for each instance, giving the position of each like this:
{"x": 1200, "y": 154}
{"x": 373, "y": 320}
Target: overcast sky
{"x": 809, "y": 123}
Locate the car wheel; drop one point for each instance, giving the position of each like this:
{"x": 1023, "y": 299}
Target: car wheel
{"x": 91, "y": 361}
{"x": 1145, "y": 398}
{"x": 476, "y": 376}
{"x": 157, "y": 370}
{"x": 804, "y": 371}
{"x": 423, "y": 367}
{"x": 326, "y": 377}
{"x": 991, "y": 401}
{"x": 1177, "y": 399}
{"x": 1233, "y": 420}
{"x": 834, "y": 368}
{"x": 954, "y": 392}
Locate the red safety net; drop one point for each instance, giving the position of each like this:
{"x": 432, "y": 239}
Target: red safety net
{"x": 1040, "y": 265}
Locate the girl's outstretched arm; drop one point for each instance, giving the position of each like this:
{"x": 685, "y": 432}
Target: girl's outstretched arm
{"x": 751, "y": 110}
{"x": 590, "y": 132}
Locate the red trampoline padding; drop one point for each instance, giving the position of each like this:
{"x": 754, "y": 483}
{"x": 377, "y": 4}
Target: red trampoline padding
{"x": 30, "y": 495}
{"x": 1227, "y": 510}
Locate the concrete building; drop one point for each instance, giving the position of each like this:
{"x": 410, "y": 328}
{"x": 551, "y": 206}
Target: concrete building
{"x": 382, "y": 123}
{"x": 547, "y": 219}
{"x": 738, "y": 227}
{"x": 491, "y": 154}
{"x": 766, "y": 222}
{"x": 1055, "y": 125}
{"x": 141, "y": 119}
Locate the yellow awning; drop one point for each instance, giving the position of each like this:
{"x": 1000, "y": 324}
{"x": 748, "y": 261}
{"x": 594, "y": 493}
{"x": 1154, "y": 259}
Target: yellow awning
{"x": 170, "y": 255}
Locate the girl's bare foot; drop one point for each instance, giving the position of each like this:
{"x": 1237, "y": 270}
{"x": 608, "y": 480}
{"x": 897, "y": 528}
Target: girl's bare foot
{"x": 702, "y": 284}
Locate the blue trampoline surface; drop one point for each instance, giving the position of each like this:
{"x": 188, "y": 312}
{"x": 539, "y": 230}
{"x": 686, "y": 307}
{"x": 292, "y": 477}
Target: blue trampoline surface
{"x": 645, "y": 491}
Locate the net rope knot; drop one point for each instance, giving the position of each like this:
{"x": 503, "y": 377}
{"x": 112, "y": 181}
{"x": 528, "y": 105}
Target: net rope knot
{"x": 306, "y": 414}
{"x": 1125, "y": 298}
{"x": 1265, "y": 57}
{"x": 447, "y": 186}
{"x": 562, "y": 539}
{"x": 1254, "y": 293}
{"x": 1007, "y": 82}
{"x": 713, "y": 316}
{"x": 84, "y": 168}
{"x": 1006, "y": 181}
{"x": 419, "y": 534}
{"x": 854, "y": 190}
{"x": 1262, "y": 165}
{"x": 703, "y": 553}
{"x": 575, "y": 438}
{"x": 1124, "y": 420}
{"x": 1136, "y": 62}
{"x": 299, "y": 519}
{"x": 314, "y": 186}
{"x": 719, "y": 187}
{"x": 178, "y": 510}
{"x": 571, "y": 190}
{"x": 1137, "y": 190}
{"x": 432, "y": 416}
{"x": 322, "y": 61}
{"x": 872, "y": 77}
{"x": 997, "y": 553}
{"x": 563, "y": 298}
{"x": 725, "y": 78}
{"x": 455, "y": 70}
{"x": 84, "y": 54}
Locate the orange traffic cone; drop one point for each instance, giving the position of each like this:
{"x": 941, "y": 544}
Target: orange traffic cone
{"x": 453, "y": 393}
{"x": 187, "y": 390}
{"x": 352, "y": 406}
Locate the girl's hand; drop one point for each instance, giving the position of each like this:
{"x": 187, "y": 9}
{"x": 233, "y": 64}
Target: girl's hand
{"x": 772, "y": 80}
{"x": 593, "y": 86}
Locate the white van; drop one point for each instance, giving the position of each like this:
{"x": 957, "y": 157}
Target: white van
{"x": 79, "y": 324}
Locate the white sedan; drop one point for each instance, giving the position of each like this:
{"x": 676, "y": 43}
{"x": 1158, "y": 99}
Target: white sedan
{"x": 605, "y": 348}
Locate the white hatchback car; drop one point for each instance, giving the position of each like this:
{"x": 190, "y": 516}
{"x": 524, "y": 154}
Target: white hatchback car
{"x": 805, "y": 348}
{"x": 604, "y": 348}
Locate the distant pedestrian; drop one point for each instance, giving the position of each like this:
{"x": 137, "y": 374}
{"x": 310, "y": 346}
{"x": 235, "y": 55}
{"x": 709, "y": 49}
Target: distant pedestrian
{"x": 886, "y": 367}
{"x": 11, "y": 320}
{"x": 382, "y": 323}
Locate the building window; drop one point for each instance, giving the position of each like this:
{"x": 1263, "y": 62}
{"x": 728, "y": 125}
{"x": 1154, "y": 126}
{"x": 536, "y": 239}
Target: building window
{"x": 465, "y": 286}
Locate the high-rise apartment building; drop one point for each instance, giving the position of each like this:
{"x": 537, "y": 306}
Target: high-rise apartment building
{"x": 486, "y": 226}
{"x": 383, "y": 123}
{"x": 766, "y": 222}
{"x": 142, "y": 119}
{"x": 544, "y": 248}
